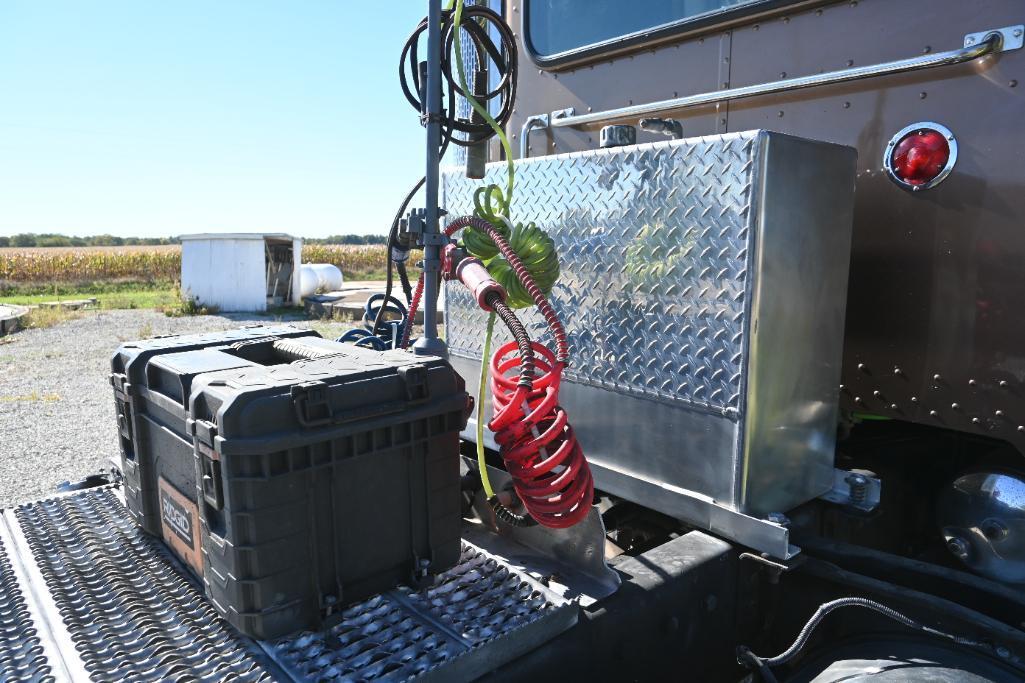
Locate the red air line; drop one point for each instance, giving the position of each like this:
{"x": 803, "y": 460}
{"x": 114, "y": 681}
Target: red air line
{"x": 548, "y": 468}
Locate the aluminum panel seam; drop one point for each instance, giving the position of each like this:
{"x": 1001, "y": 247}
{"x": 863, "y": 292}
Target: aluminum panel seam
{"x": 758, "y": 173}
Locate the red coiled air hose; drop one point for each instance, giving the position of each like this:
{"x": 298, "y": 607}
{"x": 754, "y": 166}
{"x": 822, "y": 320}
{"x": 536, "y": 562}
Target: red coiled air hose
{"x": 547, "y": 466}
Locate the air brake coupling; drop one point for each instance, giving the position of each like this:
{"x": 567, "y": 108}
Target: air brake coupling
{"x": 456, "y": 264}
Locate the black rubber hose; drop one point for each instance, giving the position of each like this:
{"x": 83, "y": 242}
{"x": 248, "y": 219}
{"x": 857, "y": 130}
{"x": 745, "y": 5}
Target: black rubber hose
{"x": 393, "y": 236}
{"x": 477, "y": 23}
{"x": 407, "y": 288}
{"x": 762, "y": 664}
{"x": 508, "y": 516}
{"x": 519, "y": 334}
{"x": 522, "y": 338}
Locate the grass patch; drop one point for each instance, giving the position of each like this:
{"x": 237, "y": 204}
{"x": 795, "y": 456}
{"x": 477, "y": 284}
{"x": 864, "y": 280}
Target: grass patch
{"x": 10, "y": 288}
{"x": 111, "y": 295}
{"x": 377, "y": 274}
{"x": 40, "y": 318}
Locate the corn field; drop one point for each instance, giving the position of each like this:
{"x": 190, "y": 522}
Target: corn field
{"x": 96, "y": 264}
{"x": 355, "y": 261}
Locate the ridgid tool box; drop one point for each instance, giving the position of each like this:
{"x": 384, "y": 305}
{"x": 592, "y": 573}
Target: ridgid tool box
{"x": 293, "y": 475}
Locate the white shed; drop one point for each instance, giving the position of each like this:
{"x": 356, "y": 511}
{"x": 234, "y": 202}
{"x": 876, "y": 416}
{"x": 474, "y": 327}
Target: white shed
{"x": 241, "y": 271}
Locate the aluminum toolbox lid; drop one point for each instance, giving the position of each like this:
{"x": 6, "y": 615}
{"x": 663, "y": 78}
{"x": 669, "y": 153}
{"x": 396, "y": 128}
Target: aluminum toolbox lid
{"x": 262, "y": 408}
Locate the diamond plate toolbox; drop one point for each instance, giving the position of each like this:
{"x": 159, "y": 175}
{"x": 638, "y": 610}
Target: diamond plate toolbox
{"x": 703, "y": 288}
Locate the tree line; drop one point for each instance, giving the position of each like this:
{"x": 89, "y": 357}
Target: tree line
{"x": 31, "y": 239}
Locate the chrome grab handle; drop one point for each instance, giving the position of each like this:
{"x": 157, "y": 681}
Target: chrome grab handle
{"x": 539, "y": 121}
{"x": 532, "y": 122}
{"x": 976, "y": 45}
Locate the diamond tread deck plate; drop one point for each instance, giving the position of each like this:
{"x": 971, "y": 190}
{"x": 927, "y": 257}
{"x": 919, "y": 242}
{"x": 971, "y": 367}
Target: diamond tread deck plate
{"x": 654, "y": 245}
{"x": 21, "y": 652}
{"x": 131, "y": 613}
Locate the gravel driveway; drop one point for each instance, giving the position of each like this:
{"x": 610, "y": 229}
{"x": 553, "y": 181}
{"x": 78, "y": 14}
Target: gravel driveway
{"x": 56, "y": 403}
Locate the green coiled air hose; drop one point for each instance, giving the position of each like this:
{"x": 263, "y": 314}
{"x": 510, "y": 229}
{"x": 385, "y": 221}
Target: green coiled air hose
{"x": 532, "y": 244}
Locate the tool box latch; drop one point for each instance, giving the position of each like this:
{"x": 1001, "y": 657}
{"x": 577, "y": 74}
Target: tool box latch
{"x": 312, "y": 404}
{"x": 209, "y": 462}
{"x": 415, "y": 377}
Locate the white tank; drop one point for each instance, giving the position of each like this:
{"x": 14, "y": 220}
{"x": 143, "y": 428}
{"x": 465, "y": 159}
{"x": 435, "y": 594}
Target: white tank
{"x": 319, "y": 277}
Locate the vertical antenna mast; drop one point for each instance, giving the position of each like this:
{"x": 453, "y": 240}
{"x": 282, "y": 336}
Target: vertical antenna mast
{"x": 429, "y": 343}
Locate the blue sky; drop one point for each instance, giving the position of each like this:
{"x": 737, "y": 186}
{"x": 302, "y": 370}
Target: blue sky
{"x": 155, "y": 118}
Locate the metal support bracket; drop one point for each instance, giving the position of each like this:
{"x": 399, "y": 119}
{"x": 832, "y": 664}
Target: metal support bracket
{"x": 1011, "y": 37}
{"x": 415, "y": 222}
{"x": 570, "y": 562}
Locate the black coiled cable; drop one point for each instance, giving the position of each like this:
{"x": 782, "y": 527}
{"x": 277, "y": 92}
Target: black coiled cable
{"x": 477, "y": 22}
{"x": 376, "y": 334}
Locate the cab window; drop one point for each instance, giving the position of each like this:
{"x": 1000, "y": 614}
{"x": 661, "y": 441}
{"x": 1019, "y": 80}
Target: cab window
{"x": 556, "y": 27}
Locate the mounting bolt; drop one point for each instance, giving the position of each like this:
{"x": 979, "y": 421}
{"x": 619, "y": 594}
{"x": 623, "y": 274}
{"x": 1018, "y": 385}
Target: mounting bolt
{"x": 1016, "y": 33}
{"x": 959, "y": 548}
{"x": 859, "y": 487}
{"x": 994, "y": 529}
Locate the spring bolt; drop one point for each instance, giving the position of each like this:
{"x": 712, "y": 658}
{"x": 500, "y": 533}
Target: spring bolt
{"x": 859, "y": 488}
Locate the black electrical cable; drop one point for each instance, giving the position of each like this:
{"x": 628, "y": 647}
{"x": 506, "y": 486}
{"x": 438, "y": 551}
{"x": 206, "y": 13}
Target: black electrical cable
{"x": 393, "y": 242}
{"x": 407, "y": 287}
{"x": 762, "y": 663}
{"x": 477, "y": 22}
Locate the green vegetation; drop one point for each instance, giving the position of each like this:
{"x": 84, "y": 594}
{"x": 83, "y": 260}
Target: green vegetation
{"x": 356, "y": 262}
{"x": 347, "y": 239}
{"x": 105, "y": 264}
{"x": 109, "y": 295}
{"x": 181, "y": 306}
{"x": 51, "y": 239}
{"x": 38, "y": 318}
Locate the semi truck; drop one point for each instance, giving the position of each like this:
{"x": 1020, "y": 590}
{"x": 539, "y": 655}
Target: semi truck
{"x": 784, "y": 330}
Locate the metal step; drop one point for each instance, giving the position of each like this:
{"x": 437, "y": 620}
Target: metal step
{"x": 86, "y": 595}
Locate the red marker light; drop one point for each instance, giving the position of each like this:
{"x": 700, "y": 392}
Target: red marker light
{"x": 920, "y": 156}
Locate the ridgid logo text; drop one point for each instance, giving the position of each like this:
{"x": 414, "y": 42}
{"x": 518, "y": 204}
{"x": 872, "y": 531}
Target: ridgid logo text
{"x": 177, "y": 518}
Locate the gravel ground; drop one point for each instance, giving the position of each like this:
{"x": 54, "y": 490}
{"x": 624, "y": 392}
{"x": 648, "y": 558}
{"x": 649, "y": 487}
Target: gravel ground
{"x": 56, "y": 403}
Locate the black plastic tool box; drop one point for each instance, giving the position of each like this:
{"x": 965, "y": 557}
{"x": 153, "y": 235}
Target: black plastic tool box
{"x": 292, "y": 474}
